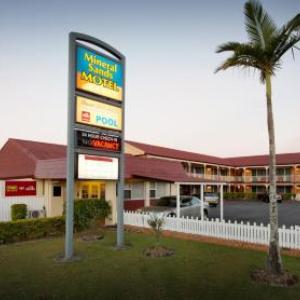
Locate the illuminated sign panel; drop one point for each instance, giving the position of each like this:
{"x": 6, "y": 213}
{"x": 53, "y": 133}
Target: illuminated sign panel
{"x": 97, "y": 167}
{"x": 98, "y": 74}
{"x": 94, "y": 113}
{"x": 98, "y": 141}
{"x": 20, "y": 188}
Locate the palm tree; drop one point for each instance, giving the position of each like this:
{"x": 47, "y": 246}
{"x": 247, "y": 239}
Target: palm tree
{"x": 263, "y": 52}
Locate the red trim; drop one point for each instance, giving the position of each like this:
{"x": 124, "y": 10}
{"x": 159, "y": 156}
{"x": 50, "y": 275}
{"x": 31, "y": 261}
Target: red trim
{"x": 133, "y": 204}
{"x": 98, "y": 158}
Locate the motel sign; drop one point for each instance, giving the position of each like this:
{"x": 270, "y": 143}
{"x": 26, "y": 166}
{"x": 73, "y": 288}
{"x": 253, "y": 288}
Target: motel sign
{"x": 95, "y": 122}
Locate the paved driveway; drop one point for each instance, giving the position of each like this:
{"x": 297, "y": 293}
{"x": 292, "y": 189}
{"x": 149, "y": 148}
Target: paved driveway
{"x": 255, "y": 211}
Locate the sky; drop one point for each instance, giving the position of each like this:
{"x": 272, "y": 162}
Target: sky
{"x": 173, "y": 96}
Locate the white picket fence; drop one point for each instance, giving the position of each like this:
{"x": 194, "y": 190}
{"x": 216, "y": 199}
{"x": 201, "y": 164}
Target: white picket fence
{"x": 33, "y": 203}
{"x": 243, "y": 232}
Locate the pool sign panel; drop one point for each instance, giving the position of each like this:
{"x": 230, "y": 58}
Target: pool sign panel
{"x": 98, "y": 74}
{"x": 98, "y": 141}
{"x": 97, "y": 167}
{"x": 95, "y": 113}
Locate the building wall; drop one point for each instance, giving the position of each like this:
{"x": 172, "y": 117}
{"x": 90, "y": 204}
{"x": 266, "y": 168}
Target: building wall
{"x": 140, "y": 191}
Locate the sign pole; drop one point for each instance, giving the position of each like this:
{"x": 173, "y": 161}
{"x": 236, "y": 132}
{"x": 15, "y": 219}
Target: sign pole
{"x": 70, "y": 153}
{"x": 120, "y": 202}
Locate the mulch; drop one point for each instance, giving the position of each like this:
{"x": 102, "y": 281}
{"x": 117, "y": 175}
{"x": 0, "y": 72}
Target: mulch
{"x": 285, "y": 279}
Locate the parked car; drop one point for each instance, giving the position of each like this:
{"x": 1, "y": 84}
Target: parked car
{"x": 265, "y": 197}
{"x": 211, "y": 198}
{"x": 190, "y": 206}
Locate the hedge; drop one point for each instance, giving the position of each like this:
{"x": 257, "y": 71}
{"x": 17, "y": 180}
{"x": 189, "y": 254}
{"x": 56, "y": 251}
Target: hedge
{"x": 29, "y": 229}
{"x": 85, "y": 213}
{"x": 252, "y": 196}
{"x": 288, "y": 196}
{"x": 240, "y": 196}
{"x": 18, "y": 211}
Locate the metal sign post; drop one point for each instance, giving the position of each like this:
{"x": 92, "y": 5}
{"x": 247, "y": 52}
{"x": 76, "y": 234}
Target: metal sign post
{"x": 95, "y": 98}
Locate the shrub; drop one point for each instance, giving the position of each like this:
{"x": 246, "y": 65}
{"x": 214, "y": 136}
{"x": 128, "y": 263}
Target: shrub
{"x": 22, "y": 230}
{"x": 88, "y": 211}
{"x": 240, "y": 196}
{"x": 18, "y": 211}
{"x": 250, "y": 196}
{"x": 288, "y": 196}
{"x": 156, "y": 223}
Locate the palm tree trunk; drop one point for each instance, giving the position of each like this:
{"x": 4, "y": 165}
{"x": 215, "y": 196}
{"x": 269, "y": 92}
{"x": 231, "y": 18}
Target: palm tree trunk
{"x": 274, "y": 262}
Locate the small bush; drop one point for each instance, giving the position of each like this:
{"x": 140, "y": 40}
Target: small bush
{"x": 89, "y": 210}
{"x": 18, "y": 211}
{"x": 22, "y": 230}
{"x": 156, "y": 223}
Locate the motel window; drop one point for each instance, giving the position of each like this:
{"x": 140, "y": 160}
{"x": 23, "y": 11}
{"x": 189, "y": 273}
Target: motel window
{"x": 56, "y": 191}
{"x": 134, "y": 191}
{"x": 102, "y": 191}
{"x": 137, "y": 190}
{"x": 94, "y": 191}
{"x": 199, "y": 170}
{"x": 85, "y": 192}
{"x": 127, "y": 192}
{"x": 160, "y": 189}
{"x": 152, "y": 190}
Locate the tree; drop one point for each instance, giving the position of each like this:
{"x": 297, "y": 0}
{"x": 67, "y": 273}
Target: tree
{"x": 263, "y": 52}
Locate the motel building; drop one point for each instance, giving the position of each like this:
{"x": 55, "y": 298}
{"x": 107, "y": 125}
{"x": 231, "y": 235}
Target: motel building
{"x": 34, "y": 173}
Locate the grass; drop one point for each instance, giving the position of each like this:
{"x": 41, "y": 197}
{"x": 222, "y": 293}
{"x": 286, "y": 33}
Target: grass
{"x": 196, "y": 271}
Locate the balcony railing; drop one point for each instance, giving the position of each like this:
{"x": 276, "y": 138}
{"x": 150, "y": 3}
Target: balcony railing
{"x": 247, "y": 179}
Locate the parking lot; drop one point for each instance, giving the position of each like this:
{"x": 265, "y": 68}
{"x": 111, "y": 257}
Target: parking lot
{"x": 255, "y": 211}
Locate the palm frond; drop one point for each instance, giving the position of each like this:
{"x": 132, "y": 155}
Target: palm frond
{"x": 287, "y": 38}
{"x": 292, "y": 25}
{"x": 259, "y": 25}
{"x": 246, "y": 53}
{"x": 229, "y": 46}
{"x": 238, "y": 61}
{"x": 290, "y": 44}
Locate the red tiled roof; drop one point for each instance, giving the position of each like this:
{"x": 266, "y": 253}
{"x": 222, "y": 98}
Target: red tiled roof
{"x": 263, "y": 160}
{"x": 40, "y": 150}
{"x": 254, "y": 160}
{"x": 151, "y": 168}
{"x": 51, "y": 169}
{"x": 21, "y": 159}
{"x": 178, "y": 154}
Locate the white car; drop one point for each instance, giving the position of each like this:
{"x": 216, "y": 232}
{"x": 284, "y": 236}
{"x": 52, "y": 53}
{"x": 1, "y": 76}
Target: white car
{"x": 190, "y": 206}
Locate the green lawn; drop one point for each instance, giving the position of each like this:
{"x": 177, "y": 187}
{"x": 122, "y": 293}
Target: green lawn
{"x": 197, "y": 271}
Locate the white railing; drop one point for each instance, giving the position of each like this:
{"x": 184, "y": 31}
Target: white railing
{"x": 243, "y": 232}
{"x": 32, "y": 202}
{"x": 246, "y": 179}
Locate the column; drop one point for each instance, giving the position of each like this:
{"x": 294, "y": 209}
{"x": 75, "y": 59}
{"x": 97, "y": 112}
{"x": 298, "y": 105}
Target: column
{"x": 190, "y": 169}
{"x": 178, "y": 200}
{"x": 221, "y": 203}
{"x": 146, "y": 193}
{"x": 202, "y": 202}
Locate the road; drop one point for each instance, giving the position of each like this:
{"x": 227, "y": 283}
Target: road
{"x": 255, "y": 211}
